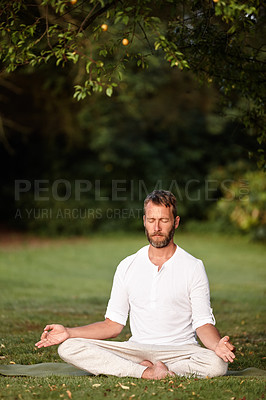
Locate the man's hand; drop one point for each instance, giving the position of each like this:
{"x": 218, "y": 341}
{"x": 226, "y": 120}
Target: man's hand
{"x": 53, "y": 334}
{"x": 56, "y": 334}
{"x": 225, "y": 350}
{"x": 211, "y": 339}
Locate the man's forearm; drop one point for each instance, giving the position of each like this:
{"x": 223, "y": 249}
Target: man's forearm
{"x": 211, "y": 339}
{"x": 209, "y": 336}
{"x": 99, "y": 330}
{"x": 56, "y": 333}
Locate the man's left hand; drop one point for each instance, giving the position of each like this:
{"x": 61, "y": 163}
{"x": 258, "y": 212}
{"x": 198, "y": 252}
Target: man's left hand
{"x": 225, "y": 349}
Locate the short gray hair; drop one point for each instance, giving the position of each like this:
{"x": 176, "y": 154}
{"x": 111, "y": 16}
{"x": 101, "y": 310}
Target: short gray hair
{"x": 163, "y": 198}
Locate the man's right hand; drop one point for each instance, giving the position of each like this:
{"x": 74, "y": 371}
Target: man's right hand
{"x": 53, "y": 334}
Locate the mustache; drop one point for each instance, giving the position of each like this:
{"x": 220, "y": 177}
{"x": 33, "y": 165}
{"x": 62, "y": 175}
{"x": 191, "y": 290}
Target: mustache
{"x": 157, "y": 234}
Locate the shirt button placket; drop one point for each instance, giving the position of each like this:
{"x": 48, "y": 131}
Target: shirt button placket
{"x": 153, "y": 300}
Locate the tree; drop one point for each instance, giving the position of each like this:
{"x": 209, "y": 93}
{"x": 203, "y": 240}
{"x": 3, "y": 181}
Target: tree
{"x": 159, "y": 130}
{"x": 220, "y": 41}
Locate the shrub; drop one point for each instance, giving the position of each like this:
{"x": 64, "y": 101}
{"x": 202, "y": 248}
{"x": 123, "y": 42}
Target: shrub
{"x": 243, "y": 204}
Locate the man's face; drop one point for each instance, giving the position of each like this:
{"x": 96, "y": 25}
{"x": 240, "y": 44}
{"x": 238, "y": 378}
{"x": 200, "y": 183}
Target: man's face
{"x": 159, "y": 224}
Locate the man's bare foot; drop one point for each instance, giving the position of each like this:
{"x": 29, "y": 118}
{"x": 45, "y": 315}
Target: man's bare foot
{"x": 147, "y": 363}
{"x": 157, "y": 371}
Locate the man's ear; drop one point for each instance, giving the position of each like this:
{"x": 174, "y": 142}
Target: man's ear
{"x": 177, "y": 220}
{"x": 144, "y": 219}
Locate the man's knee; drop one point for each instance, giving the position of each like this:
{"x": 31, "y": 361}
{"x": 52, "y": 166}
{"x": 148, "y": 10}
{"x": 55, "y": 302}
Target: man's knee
{"x": 68, "y": 348}
{"x": 217, "y": 367}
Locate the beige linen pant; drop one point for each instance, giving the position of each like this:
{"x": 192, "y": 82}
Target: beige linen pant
{"x": 123, "y": 358}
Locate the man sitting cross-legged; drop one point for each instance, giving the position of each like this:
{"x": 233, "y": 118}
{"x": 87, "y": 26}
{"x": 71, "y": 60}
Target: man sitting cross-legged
{"x": 165, "y": 290}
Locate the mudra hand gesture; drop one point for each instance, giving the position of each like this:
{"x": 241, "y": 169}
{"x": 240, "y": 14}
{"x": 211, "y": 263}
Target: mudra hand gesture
{"x": 52, "y": 335}
{"x": 225, "y": 349}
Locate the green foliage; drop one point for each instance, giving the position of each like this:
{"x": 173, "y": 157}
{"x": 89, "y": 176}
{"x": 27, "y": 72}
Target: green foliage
{"x": 159, "y": 130}
{"x": 220, "y": 42}
{"x": 243, "y": 204}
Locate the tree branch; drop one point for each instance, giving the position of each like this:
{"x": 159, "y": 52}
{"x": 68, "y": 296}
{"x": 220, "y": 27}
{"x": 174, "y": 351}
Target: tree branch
{"x": 87, "y": 22}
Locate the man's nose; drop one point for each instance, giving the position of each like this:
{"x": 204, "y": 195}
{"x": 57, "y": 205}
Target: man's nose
{"x": 157, "y": 226}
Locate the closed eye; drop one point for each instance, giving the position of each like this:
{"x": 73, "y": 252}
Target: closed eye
{"x": 164, "y": 220}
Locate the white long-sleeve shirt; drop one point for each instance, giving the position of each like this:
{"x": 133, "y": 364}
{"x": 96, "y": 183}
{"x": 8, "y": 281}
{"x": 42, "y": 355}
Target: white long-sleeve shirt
{"x": 165, "y": 306}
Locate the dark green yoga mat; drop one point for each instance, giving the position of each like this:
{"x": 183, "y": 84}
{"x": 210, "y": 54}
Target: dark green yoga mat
{"x": 63, "y": 369}
{"x": 43, "y": 369}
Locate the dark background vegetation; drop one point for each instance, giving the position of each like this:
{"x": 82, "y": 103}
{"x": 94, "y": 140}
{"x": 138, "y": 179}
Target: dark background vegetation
{"x": 162, "y": 128}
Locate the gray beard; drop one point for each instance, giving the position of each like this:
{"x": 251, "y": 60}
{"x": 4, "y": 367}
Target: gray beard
{"x": 162, "y": 243}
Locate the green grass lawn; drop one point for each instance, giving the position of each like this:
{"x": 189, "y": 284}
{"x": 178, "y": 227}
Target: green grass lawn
{"x": 69, "y": 282}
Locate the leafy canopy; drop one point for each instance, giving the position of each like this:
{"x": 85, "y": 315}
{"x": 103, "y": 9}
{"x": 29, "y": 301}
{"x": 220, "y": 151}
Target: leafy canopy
{"x": 221, "y": 41}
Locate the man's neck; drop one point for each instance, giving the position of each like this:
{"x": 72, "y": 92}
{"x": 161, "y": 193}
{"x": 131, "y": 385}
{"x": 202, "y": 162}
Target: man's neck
{"x": 159, "y": 256}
